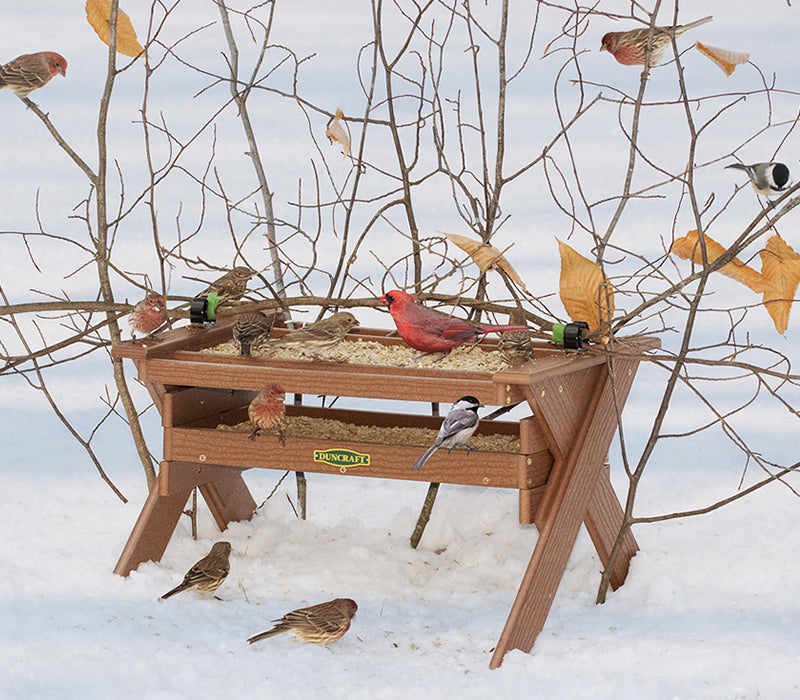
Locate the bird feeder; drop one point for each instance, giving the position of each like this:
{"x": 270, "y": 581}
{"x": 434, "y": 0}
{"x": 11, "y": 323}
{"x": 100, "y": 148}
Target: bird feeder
{"x": 558, "y": 470}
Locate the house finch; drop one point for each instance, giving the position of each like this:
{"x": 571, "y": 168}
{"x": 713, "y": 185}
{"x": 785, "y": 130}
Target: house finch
{"x": 515, "y": 346}
{"x": 207, "y": 574}
{"x": 267, "y": 411}
{"x": 148, "y": 314}
{"x": 320, "y": 624}
{"x": 248, "y": 327}
{"x": 431, "y": 331}
{"x": 767, "y": 178}
{"x": 232, "y": 286}
{"x": 324, "y": 334}
{"x": 457, "y": 428}
{"x": 31, "y": 71}
{"x": 630, "y": 48}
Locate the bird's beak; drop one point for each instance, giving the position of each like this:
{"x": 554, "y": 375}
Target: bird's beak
{"x": 384, "y": 300}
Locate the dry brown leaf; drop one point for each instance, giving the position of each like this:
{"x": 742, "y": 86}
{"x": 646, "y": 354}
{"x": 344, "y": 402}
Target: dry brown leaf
{"x": 486, "y": 256}
{"x": 98, "y": 13}
{"x": 688, "y": 248}
{"x": 336, "y": 132}
{"x": 727, "y": 60}
{"x": 584, "y": 292}
{"x": 781, "y": 266}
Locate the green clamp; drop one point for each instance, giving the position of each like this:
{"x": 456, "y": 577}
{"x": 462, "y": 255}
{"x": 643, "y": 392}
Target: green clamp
{"x": 558, "y": 333}
{"x": 570, "y": 335}
{"x": 203, "y": 309}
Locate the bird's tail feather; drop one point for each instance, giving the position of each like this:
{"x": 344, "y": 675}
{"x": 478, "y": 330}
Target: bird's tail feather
{"x": 696, "y": 23}
{"x": 175, "y": 590}
{"x": 424, "y": 457}
{"x": 502, "y": 329}
{"x": 265, "y": 635}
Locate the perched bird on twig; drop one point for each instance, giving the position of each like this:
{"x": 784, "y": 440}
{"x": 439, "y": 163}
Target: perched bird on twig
{"x": 29, "y": 72}
{"x": 515, "y": 346}
{"x": 267, "y": 411}
{"x": 248, "y": 327}
{"x": 232, "y": 286}
{"x": 630, "y": 48}
{"x": 148, "y": 314}
{"x": 431, "y": 331}
{"x": 321, "y": 624}
{"x": 324, "y": 334}
{"x": 207, "y": 574}
{"x": 458, "y": 427}
{"x": 766, "y": 178}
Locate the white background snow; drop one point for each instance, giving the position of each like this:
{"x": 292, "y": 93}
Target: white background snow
{"x": 709, "y": 610}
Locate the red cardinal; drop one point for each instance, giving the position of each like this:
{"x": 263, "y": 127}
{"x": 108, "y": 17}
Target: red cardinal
{"x": 431, "y": 331}
{"x": 30, "y": 71}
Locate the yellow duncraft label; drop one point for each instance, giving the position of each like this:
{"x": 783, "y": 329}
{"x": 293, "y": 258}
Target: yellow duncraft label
{"x": 341, "y": 458}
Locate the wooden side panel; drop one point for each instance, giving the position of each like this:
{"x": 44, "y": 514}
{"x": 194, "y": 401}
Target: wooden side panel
{"x": 480, "y": 468}
{"x": 303, "y": 378}
{"x": 188, "y": 404}
{"x": 529, "y": 501}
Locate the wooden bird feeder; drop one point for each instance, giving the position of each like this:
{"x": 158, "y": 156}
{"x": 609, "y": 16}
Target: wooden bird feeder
{"x": 558, "y": 470}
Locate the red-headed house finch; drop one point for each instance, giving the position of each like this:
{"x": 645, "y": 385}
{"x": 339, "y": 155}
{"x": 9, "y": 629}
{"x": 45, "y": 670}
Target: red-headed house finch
{"x": 207, "y": 574}
{"x": 431, "y": 331}
{"x": 515, "y": 346}
{"x": 457, "y": 428}
{"x": 267, "y": 411}
{"x": 248, "y": 327}
{"x": 324, "y": 334}
{"x": 630, "y": 48}
{"x": 766, "y": 178}
{"x": 148, "y": 314}
{"x": 321, "y": 624}
{"x": 31, "y": 71}
{"x": 232, "y": 286}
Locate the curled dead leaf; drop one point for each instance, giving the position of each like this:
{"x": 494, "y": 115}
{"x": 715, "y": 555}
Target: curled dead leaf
{"x": 584, "y": 291}
{"x": 781, "y": 266}
{"x": 336, "y": 132}
{"x": 777, "y": 282}
{"x": 725, "y": 59}
{"x": 486, "y": 257}
{"x": 688, "y": 248}
{"x": 98, "y": 13}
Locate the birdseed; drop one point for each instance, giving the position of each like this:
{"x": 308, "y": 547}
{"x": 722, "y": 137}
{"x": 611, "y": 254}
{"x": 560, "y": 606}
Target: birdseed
{"x": 465, "y": 358}
{"x": 306, "y": 427}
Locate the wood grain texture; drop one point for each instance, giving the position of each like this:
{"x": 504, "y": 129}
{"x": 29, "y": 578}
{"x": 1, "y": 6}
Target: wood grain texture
{"x": 154, "y": 527}
{"x": 567, "y": 497}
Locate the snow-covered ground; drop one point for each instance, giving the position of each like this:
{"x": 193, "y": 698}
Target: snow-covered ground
{"x": 709, "y": 610}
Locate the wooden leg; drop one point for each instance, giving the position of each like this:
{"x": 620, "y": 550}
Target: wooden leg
{"x": 579, "y": 424}
{"x": 155, "y": 525}
{"x": 228, "y": 497}
{"x": 223, "y": 488}
{"x": 603, "y": 520}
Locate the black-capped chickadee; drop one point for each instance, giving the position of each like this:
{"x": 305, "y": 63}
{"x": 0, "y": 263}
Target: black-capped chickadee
{"x": 457, "y": 428}
{"x": 767, "y": 178}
